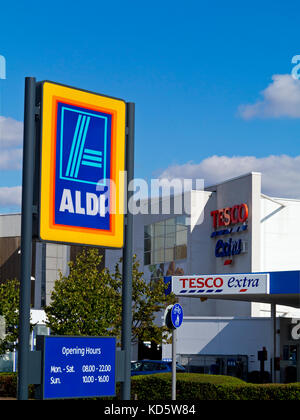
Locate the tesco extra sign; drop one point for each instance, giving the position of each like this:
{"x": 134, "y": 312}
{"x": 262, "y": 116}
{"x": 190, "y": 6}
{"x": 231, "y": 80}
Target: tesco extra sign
{"x": 252, "y": 283}
{"x": 230, "y": 215}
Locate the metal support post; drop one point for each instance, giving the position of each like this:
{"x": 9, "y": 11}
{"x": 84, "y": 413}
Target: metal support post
{"x": 274, "y": 349}
{"x": 174, "y": 333}
{"x": 127, "y": 259}
{"x": 26, "y": 237}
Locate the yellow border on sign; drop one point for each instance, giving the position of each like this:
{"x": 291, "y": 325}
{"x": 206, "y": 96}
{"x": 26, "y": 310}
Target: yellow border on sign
{"x": 49, "y": 231}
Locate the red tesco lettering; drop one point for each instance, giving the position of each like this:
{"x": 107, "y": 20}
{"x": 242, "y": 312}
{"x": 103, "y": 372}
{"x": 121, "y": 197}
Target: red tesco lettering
{"x": 201, "y": 282}
{"x": 230, "y": 215}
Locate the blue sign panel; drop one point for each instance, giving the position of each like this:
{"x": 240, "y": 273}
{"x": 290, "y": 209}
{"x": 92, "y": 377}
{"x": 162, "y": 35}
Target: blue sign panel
{"x": 177, "y": 315}
{"x": 83, "y": 156}
{"x": 76, "y": 367}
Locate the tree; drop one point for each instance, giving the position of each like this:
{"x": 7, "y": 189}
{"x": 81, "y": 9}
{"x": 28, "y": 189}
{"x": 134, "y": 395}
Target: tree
{"x": 148, "y": 299}
{"x": 84, "y": 302}
{"x": 89, "y": 301}
{"x": 9, "y": 309}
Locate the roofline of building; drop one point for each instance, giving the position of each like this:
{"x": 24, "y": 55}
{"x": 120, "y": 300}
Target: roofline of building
{"x": 11, "y": 214}
{"x": 234, "y": 179}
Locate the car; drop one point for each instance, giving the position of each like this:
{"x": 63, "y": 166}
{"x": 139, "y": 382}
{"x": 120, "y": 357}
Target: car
{"x": 146, "y": 367}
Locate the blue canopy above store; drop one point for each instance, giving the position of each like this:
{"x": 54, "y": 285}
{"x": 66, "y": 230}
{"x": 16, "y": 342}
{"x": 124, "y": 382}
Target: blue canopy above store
{"x": 283, "y": 289}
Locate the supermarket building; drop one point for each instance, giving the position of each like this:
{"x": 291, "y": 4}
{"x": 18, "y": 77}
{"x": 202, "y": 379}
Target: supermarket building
{"x": 239, "y": 230}
{"x": 226, "y": 335}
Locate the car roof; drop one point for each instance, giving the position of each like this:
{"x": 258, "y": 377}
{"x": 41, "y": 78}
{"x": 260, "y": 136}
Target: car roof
{"x": 150, "y": 360}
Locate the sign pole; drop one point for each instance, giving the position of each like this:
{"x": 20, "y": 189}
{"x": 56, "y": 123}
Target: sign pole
{"x": 26, "y": 237}
{"x": 127, "y": 258}
{"x": 173, "y": 320}
{"x": 174, "y": 364}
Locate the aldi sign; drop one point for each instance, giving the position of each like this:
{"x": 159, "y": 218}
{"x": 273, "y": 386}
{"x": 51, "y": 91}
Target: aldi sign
{"x": 82, "y": 157}
{"x": 219, "y": 284}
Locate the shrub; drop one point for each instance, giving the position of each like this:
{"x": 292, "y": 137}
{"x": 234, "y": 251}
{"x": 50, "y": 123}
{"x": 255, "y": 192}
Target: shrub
{"x": 209, "y": 387}
{"x": 8, "y": 385}
{"x": 189, "y": 387}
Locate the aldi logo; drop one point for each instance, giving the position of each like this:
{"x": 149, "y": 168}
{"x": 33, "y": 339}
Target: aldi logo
{"x": 83, "y": 146}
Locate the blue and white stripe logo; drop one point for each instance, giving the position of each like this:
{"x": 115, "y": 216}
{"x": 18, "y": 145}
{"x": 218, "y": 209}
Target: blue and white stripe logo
{"x": 83, "y": 150}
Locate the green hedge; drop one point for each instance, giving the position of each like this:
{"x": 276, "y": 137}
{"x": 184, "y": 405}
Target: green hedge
{"x": 8, "y": 385}
{"x": 209, "y": 387}
{"x": 190, "y": 387}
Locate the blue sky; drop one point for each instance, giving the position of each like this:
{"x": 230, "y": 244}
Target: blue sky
{"x": 188, "y": 66}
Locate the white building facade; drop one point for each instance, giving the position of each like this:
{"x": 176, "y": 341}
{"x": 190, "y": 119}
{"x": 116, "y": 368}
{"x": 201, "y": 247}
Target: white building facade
{"x": 224, "y": 332}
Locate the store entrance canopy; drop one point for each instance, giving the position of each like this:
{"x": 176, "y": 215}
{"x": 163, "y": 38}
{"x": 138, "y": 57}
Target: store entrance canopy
{"x": 279, "y": 287}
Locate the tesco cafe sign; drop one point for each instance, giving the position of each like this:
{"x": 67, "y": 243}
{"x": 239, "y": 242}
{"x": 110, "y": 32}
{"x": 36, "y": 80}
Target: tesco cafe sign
{"x": 228, "y": 221}
{"x": 221, "y": 284}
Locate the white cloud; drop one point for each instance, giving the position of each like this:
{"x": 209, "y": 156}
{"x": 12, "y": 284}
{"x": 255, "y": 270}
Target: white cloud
{"x": 11, "y": 138}
{"x": 280, "y": 99}
{"x": 11, "y": 132}
{"x": 280, "y": 174}
{"x": 11, "y": 159}
{"x": 10, "y": 196}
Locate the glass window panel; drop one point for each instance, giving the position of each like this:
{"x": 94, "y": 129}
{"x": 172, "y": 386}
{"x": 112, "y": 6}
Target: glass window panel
{"x": 147, "y": 245}
{"x": 169, "y": 254}
{"x": 181, "y": 237}
{"x": 180, "y": 228}
{"x": 170, "y": 225}
{"x": 159, "y": 229}
{"x": 293, "y": 353}
{"x": 170, "y": 222}
{"x": 181, "y": 220}
{"x": 165, "y": 241}
{"x": 148, "y": 366}
{"x": 159, "y": 242}
{"x": 149, "y": 230}
{"x": 170, "y": 240}
{"x": 161, "y": 366}
{"x": 147, "y": 258}
{"x": 136, "y": 366}
{"x": 159, "y": 256}
{"x": 286, "y": 352}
